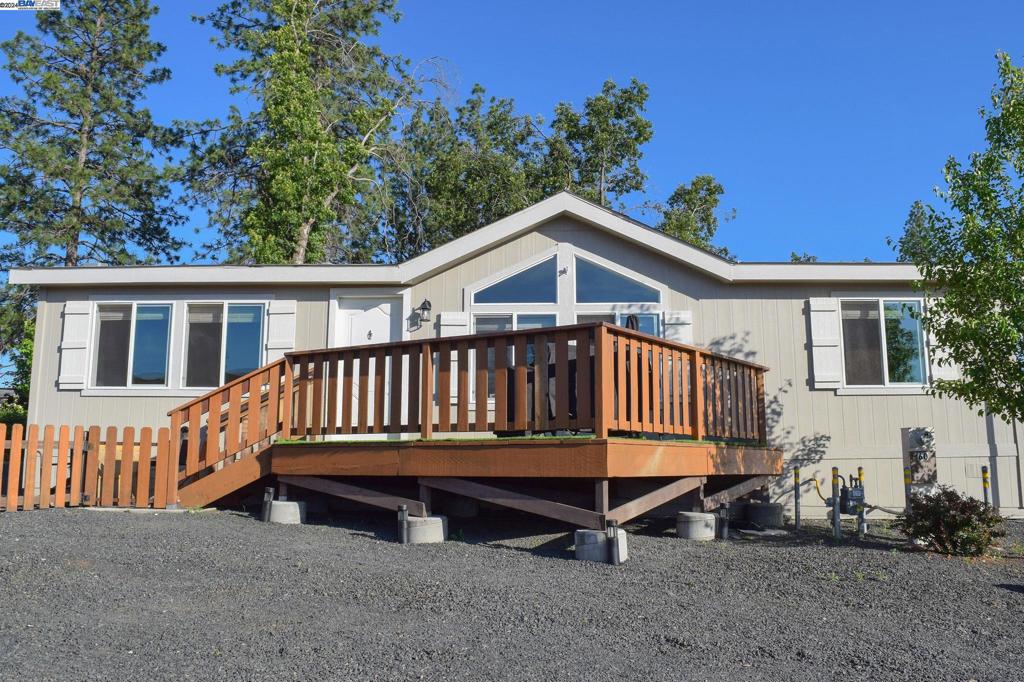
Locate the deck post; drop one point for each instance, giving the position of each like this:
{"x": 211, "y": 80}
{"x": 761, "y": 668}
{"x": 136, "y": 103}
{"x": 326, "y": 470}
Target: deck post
{"x": 425, "y": 498}
{"x": 426, "y": 392}
{"x": 762, "y": 433}
{"x": 287, "y": 393}
{"x": 604, "y": 381}
{"x": 697, "y": 387}
{"x": 601, "y": 495}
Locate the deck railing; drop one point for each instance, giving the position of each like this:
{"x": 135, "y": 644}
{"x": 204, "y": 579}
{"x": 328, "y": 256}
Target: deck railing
{"x": 242, "y": 415}
{"x": 597, "y": 378}
{"x": 594, "y": 378}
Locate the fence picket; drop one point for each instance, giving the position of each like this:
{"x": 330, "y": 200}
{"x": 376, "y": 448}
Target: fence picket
{"x": 109, "y": 468}
{"x": 46, "y": 467}
{"x": 31, "y": 463}
{"x": 3, "y": 458}
{"x": 14, "y": 468}
{"x": 124, "y": 480}
{"x": 77, "y": 467}
{"x": 143, "y": 468}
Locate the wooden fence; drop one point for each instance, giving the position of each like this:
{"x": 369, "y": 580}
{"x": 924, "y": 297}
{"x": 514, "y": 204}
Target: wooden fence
{"x": 62, "y": 466}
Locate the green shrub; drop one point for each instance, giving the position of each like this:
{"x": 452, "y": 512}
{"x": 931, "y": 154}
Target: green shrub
{"x": 12, "y": 413}
{"x": 951, "y": 523}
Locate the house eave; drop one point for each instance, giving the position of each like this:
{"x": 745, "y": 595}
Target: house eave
{"x": 466, "y": 247}
{"x": 155, "y": 275}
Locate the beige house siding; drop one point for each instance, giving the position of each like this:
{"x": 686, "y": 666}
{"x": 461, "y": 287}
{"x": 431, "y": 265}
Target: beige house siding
{"x": 50, "y": 405}
{"x": 767, "y": 323}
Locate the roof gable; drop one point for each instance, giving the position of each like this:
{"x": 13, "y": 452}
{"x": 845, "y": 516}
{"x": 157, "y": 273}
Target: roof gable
{"x": 470, "y": 245}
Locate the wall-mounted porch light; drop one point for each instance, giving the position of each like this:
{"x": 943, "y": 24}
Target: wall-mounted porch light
{"x": 424, "y": 310}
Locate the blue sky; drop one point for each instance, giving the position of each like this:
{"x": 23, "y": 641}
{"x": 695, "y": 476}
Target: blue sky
{"x": 823, "y": 121}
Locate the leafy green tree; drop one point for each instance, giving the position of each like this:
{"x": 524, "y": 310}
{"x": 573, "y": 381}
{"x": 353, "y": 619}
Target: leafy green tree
{"x": 691, "y": 213}
{"x": 804, "y": 257}
{"x": 303, "y": 167}
{"x": 596, "y": 152}
{"x": 971, "y": 258}
{"x": 453, "y": 175}
{"x": 21, "y": 360}
{"x": 84, "y": 170}
{"x": 280, "y": 181}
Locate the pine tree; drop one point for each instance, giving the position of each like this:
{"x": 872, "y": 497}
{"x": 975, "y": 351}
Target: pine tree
{"x": 85, "y": 174}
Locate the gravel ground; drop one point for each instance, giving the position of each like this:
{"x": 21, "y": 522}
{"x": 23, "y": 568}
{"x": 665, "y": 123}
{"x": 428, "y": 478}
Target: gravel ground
{"x": 219, "y": 595}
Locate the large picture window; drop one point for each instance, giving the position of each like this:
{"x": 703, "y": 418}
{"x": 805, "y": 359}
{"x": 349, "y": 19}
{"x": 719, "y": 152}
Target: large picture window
{"x": 648, "y": 323}
{"x": 535, "y": 284}
{"x": 598, "y": 284}
{"x": 882, "y": 342}
{"x": 499, "y": 323}
{"x": 222, "y": 342}
{"x": 132, "y": 344}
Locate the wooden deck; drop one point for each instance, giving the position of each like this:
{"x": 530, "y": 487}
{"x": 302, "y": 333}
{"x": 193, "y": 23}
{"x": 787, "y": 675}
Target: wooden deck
{"x": 636, "y": 407}
{"x": 552, "y": 457}
{"x": 574, "y": 404}
{"x": 543, "y": 476}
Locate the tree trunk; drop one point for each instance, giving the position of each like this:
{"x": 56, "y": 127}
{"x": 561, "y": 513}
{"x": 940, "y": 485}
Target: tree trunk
{"x": 305, "y": 229}
{"x": 77, "y": 214}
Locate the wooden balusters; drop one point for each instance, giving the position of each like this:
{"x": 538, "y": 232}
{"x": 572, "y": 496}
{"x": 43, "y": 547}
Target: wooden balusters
{"x": 501, "y": 384}
{"x": 583, "y": 377}
{"x": 426, "y": 391}
{"x": 396, "y": 358}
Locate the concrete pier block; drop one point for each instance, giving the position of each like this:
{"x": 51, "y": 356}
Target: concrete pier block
{"x": 592, "y": 545}
{"x": 288, "y": 512}
{"x": 426, "y": 530}
{"x": 695, "y": 525}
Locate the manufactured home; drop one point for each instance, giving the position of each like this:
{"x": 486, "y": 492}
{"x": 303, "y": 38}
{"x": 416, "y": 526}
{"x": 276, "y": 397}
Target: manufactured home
{"x": 640, "y": 356}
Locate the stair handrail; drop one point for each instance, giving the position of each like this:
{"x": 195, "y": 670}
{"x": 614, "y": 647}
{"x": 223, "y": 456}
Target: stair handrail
{"x": 244, "y": 378}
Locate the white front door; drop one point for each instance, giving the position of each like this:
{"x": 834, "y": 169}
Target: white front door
{"x": 368, "y": 320}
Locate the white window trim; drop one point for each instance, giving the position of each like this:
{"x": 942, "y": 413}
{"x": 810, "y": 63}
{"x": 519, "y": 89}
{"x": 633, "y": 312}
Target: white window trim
{"x": 886, "y": 388}
{"x": 132, "y": 389}
{"x": 500, "y": 276}
{"x": 223, "y": 340}
{"x": 176, "y": 360}
{"x": 513, "y": 313}
{"x": 515, "y": 326}
{"x": 566, "y": 308}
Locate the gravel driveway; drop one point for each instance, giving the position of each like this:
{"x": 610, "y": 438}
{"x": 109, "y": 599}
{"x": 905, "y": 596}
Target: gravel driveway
{"x": 219, "y": 595}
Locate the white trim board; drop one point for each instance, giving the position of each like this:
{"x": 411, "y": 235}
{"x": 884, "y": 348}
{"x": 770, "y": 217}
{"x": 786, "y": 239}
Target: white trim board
{"x": 466, "y": 247}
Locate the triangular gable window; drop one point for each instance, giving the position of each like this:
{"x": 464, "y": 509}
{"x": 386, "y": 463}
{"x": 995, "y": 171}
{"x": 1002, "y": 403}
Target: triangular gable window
{"x": 536, "y": 284}
{"x": 598, "y": 284}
